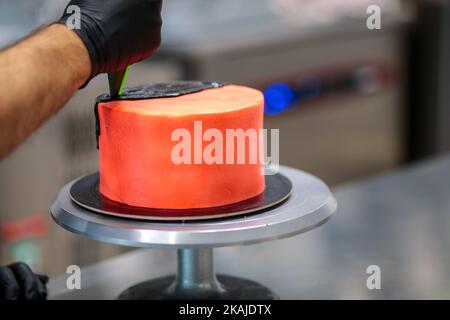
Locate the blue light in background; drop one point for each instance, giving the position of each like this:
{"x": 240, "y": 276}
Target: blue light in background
{"x": 278, "y": 97}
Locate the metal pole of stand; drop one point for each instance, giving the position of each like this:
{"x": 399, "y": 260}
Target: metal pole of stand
{"x": 196, "y": 277}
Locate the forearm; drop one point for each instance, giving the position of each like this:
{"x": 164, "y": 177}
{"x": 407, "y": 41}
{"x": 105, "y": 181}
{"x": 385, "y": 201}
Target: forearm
{"x": 37, "y": 77}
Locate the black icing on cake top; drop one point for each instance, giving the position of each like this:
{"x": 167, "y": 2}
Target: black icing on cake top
{"x": 153, "y": 91}
{"x": 161, "y": 90}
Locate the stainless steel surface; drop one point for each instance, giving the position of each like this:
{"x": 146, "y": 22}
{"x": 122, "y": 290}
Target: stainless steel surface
{"x": 310, "y": 204}
{"x": 399, "y": 221}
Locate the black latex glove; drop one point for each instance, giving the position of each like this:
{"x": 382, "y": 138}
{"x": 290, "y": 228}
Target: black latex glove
{"x": 118, "y": 33}
{"x": 18, "y": 282}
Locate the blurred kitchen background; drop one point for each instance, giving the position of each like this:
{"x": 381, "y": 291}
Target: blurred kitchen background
{"x": 350, "y": 102}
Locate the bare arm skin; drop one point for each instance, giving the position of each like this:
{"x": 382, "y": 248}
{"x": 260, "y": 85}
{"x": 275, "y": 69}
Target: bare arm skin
{"x": 37, "y": 77}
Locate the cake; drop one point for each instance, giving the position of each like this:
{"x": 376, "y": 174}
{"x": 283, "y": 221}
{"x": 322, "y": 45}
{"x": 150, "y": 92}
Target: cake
{"x": 179, "y": 145}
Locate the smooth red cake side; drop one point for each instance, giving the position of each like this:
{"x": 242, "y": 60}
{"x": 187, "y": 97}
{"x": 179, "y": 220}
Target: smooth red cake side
{"x": 136, "y": 149}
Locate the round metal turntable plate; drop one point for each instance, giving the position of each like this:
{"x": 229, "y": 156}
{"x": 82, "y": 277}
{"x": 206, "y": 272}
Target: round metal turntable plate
{"x": 85, "y": 192}
{"x": 311, "y": 203}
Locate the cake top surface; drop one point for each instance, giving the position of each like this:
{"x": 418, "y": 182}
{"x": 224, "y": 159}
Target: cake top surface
{"x": 214, "y": 100}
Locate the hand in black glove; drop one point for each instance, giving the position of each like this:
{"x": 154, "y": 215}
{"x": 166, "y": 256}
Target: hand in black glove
{"x": 18, "y": 282}
{"x": 118, "y": 33}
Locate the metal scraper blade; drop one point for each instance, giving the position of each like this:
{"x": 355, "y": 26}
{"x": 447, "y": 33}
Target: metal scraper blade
{"x": 117, "y": 81}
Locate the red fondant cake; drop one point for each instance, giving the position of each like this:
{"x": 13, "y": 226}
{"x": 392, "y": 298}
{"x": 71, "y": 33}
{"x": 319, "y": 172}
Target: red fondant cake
{"x": 159, "y": 153}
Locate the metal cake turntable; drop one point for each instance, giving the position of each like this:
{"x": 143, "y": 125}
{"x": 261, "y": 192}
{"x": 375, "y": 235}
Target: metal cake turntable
{"x": 288, "y": 206}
